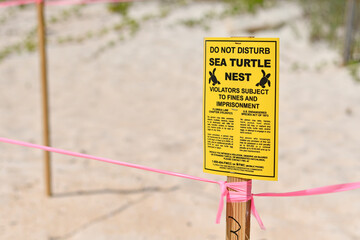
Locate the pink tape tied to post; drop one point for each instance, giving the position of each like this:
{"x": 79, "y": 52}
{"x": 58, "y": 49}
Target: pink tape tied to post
{"x": 239, "y": 191}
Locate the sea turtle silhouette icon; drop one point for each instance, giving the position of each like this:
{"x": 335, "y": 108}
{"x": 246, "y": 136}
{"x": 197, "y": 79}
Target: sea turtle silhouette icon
{"x": 264, "y": 80}
{"x": 213, "y": 78}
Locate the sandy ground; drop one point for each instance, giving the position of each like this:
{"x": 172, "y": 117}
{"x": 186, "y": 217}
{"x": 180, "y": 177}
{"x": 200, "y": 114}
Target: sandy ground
{"x": 140, "y": 101}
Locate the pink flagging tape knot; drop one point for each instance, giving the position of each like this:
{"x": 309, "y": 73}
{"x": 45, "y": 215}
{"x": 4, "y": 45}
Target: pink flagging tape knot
{"x": 239, "y": 191}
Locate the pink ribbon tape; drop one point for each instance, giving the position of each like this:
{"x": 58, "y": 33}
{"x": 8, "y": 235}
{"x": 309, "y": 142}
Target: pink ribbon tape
{"x": 239, "y": 191}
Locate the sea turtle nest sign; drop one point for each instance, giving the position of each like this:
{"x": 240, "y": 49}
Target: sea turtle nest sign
{"x": 241, "y": 88}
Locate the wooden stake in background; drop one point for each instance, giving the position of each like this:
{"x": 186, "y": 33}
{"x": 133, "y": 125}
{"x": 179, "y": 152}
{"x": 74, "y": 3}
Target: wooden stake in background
{"x": 349, "y": 29}
{"x": 238, "y": 217}
{"x": 44, "y": 90}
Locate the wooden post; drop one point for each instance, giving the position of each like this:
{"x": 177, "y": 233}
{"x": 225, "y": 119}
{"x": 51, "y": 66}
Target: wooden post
{"x": 349, "y": 29}
{"x": 238, "y": 217}
{"x": 238, "y": 214}
{"x": 44, "y": 90}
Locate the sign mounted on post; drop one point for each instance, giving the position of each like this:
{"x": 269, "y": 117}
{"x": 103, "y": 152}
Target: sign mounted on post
{"x": 241, "y": 87}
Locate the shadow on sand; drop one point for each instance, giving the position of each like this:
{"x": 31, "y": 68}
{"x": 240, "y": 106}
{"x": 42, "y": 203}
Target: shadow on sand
{"x": 113, "y": 191}
{"x": 147, "y": 193}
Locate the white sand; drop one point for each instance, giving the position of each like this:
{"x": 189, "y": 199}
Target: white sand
{"x": 141, "y": 102}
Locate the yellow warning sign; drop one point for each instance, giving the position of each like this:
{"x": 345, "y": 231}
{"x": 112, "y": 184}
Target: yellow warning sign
{"x": 241, "y": 88}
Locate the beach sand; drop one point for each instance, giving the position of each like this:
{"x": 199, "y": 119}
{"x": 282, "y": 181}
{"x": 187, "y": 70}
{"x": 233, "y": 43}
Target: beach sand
{"x": 139, "y": 100}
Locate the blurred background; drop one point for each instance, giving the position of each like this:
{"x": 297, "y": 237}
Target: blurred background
{"x": 125, "y": 82}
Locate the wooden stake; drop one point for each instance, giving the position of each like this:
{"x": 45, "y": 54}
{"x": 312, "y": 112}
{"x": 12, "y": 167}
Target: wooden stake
{"x": 45, "y": 102}
{"x": 238, "y": 214}
{"x": 238, "y": 217}
{"x": 349, "y": 29}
